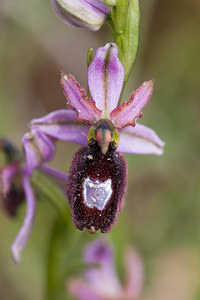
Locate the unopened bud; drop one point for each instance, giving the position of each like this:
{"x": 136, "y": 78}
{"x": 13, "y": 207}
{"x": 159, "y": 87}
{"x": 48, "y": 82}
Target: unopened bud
{"x": 89, "y": 14}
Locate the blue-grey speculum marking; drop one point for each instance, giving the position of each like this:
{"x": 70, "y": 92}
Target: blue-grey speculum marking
{"x": 96, "y": 193}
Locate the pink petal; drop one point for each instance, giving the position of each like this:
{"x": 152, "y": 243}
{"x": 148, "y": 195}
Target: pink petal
{"x": 106, "y": 78}
{"x": 56, "y": 117}
{"x": 76, "y": 98}
{"x": 128, "y": 112}
{"x": 25, "y": 231}
{"x": 60, "y": 124}
{"x": 140, "y": 140}
{"x": 56, "y": 174}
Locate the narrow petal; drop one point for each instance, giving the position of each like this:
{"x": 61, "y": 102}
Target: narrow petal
{"x": 89, "y": 14}
{"x": 106, "y": 78}
{"x": 128, "y": 112}
{"x": 25, "y": 231}
{"x": 54, "y": 173}
{"x": 61, "y": 125}
{"x": 38, "y": 148}
{"x": 134, "y": 275}
{"x": 140, "y": 140}
{"x": 76, "y": 98}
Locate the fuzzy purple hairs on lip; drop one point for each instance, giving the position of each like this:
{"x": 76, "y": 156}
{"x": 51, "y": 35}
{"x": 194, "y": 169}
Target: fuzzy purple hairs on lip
{"x": 90, "y": 163}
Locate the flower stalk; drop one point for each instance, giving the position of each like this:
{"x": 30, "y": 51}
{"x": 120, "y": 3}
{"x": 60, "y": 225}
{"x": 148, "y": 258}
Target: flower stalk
{"x": 55, "y": 276}
{"x": 51, "y": 192}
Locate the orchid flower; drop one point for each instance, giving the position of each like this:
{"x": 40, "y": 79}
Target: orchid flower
{"x": 98, "y": 175}
{"x": 97, "y": 181}
{"x": 102, "y": 282}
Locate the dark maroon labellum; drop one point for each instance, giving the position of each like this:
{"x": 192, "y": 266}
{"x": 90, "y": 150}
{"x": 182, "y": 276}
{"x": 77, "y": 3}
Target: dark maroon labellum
{"x": 96, "y": 187}
{"x": 12, "y": 200}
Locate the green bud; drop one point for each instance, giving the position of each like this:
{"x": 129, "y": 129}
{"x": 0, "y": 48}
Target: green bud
{"x": 126, "y": 32}
{"x": 121, "y": 15}
{"x": 89, "y": 56}
{"x": 110, "y": 2}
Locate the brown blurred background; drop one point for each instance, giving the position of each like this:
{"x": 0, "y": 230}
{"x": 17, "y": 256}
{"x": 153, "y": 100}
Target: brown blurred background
{"x": 162, "y": 212}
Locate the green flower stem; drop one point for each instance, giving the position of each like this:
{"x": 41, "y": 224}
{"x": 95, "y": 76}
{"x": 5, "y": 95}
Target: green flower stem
{"x": 64, "y": 238}
{"x": 62, "y": 260}
{"x": 59, "y": 238}
{"x": 56, "y": 280}
{"x": 50, "y": 191}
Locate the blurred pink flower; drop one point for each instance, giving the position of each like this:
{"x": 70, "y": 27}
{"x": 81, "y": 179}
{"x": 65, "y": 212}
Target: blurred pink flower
{"x": 102, "y": 282}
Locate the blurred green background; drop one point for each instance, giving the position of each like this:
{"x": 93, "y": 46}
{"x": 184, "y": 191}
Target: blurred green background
{"x": 161, "y": 214}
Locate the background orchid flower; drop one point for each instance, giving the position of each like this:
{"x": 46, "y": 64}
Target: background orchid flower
{"x": 15, "y": 181}
{"x": 89, "y": 14}
{"x": 101, "y": 282}
{"x": 16, "y": 187}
